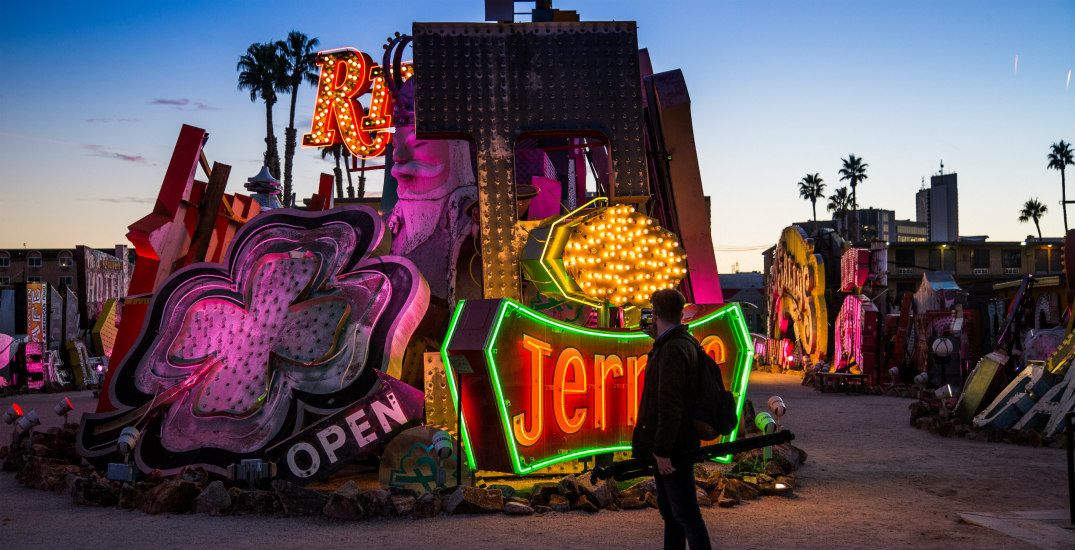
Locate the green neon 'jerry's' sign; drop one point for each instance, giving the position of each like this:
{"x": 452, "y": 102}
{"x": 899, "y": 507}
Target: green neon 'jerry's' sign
{"x": 543, "y": 391}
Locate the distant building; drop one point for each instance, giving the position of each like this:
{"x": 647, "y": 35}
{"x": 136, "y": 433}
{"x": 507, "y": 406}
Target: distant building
{"x": 938, "y": 206}
{"x": 976, "y": 264}
{"x": 908, "y": 231}
{"x": 921, "y": 204}
{"x": 875, "y": 224}
{"x": 92, "y": 274}
{"x": 55, "y": 266}
{"x": 747, "y": 288}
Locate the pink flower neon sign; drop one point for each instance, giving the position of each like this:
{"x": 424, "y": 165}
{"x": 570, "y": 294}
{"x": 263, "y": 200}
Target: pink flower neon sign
{"x": 235, "y": 358}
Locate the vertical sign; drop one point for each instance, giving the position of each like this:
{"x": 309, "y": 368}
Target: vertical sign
{"x": 36, "y": 299}
{"x": 102, "y": 277}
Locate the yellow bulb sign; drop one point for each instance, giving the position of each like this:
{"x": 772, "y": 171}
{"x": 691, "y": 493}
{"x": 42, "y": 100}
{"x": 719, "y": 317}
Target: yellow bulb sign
{"x": 611, "y": 255}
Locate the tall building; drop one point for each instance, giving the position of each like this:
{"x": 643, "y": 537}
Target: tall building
{"x": 943, "y": 208}
{"x": 938, "y": 207}
{"x": 921, "y": 203}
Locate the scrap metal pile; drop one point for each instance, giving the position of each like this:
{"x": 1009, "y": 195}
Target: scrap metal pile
{"x": 479, "y": 321}
{"x": 1020, "y": 392}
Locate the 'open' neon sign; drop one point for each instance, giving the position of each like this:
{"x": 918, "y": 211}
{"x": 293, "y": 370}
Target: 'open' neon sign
{"x": 543, "y": 391}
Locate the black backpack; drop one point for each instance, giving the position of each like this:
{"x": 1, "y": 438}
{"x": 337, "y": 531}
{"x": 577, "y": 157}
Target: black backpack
{"x": 714, "y": 411}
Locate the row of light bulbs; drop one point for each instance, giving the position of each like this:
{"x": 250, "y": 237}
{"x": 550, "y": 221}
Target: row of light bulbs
{"x": 621, "y": 256}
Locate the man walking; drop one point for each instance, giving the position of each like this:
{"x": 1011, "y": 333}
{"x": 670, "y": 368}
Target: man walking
{"x": 664, "y": 429}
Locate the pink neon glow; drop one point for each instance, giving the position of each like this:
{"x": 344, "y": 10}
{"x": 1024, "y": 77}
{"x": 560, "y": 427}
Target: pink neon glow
{"x": 854, "y": 269}
{"x": 849, "y": 330}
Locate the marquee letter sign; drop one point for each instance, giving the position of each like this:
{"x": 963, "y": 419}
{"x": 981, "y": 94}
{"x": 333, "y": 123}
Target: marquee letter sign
{"x": 234, "y": 358}
{"x": 346, "y": 75}
{"x": 543, "y": 391}
{"x": 796, "y": 291}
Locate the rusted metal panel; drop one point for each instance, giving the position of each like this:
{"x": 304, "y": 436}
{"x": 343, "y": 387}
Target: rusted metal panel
{"x": 492, "y": 83}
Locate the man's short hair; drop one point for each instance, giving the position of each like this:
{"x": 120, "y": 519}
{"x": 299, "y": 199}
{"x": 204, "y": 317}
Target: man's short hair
{"x": 668, "y": 305}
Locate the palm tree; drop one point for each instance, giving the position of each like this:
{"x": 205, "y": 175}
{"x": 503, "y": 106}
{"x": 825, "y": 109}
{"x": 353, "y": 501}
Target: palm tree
{"x": 299, "y": 54}
{"x": 854, "y": 173}
{"x": 1060, "y": 157}
{"x": 812, "y": 188}
{"x": 840, "y": 202}
{"x": 261, "y": 71}
{"x": 337, "y": 152}
{"x": 1033, "y": 209}
{"x": 346, "y": 154}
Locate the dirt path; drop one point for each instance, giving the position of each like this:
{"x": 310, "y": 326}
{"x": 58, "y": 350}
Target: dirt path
{"x": 871, "y": 481}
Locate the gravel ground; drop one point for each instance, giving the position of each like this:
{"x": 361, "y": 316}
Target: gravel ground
{"x": 871, "y": 481}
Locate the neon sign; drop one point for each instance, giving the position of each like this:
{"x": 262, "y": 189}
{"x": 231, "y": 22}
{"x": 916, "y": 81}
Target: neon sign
{"x": 796, "y": 291}
{"x": 612, "y": 254}
{"x": 346, "y": 75}
{"x": 543, "y": 391}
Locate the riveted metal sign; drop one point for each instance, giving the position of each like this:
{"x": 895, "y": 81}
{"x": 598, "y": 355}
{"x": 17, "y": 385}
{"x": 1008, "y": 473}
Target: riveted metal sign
{"x": 356, "y": 431}
{"x": 492, "y": 83}
{"x": 544, "y": 391}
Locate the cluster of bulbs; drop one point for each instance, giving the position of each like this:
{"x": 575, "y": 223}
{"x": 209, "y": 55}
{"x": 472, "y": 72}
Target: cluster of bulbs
{"x": 340, "y": 102}
{"x": 620, "y": 256}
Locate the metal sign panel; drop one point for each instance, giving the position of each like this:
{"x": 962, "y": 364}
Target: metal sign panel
{"x": 36, "y": 306}
{"x": 492, "y": 83}
{"x": 234, "y": 358}
{"x": 545, "y": 391}
{"x": 354, "y": 432}
{"x": 101, "y": 277}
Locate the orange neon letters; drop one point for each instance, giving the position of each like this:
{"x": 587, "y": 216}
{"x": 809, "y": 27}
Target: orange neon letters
{"x": 573, "y": 375}
{"x": 635, "y": 367}
{"x": 569, "y": 360}
{"x": 538, "y": 351}
{"x": 604, "y": 366}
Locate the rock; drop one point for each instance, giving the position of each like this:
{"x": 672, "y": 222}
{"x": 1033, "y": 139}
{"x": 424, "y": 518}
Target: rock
{"x": 474, "y": 500}
{"x": 507, "y": 490}
{"x": 774, "y": 469}
{"x": 404, "y": 504}
{"x": 728, "y": 497}
{"x": 711, "y": 481}
{"x": 130, "y": 497}
{"x": 651, "y": 500}
{"x": 582, "y": 502}
{"x": 427, "y": 506}
{"x": 87, "y": 491}
{"x": 604, "y": 495}
{"x": 248, "y": 502}
{"x": 298, "y": 501}
{"x": 344, "y": 503}
{"x": 788, "y": 480}
{"x": 541, "y": 493}
{"x": 558, "y": 503}
{"x": 174, "y": 496}
{"x": 569, "y": 487}
{"x": 648, "y": 485}
{"x": 513, "y": 508}
{"x": 631, "y": 502}
{"x": 195, "y": 474}
{"x": 703, "y": 498}
{"x": 541, "y": 510}
{"x": 747, "y": 490}
{"x": 214, "y": 500}
{"x": 378, "y": 503}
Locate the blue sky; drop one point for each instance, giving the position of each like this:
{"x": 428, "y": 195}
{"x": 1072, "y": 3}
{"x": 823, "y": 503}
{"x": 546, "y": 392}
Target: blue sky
{"x": 92, "y": 97}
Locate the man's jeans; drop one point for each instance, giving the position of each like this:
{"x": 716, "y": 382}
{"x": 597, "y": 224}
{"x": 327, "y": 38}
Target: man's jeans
{"x": 678, "y": 502}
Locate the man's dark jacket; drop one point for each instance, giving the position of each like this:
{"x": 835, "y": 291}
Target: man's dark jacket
{"x": 664, "y": 427}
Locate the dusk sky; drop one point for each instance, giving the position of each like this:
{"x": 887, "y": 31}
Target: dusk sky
{"x": 94, "y": 94}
